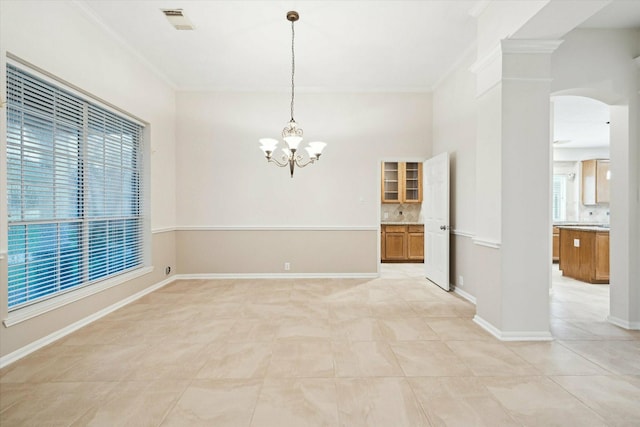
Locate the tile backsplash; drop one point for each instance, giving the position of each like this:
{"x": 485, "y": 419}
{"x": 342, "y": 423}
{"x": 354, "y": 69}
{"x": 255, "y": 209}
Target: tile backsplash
{"x": 598, "y": 214}
{"x": 403, "y": 212}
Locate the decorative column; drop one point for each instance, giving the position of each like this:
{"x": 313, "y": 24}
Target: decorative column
{"x": 513, "y": 189}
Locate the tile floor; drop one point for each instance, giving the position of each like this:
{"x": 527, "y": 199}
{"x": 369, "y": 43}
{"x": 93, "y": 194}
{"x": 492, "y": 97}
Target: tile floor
{"x": 394, "y": 351}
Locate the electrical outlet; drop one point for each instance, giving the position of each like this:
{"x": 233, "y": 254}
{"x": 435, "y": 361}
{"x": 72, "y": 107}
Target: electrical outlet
{"x": 287, "y": 266}
{"x": 460, "y": 281}
{"x": 167, "y": 270}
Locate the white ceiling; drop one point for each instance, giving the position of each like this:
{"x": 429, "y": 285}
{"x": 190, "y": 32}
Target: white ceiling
{"x": 340, "y": 45}
{"x": 580, "y": 122}
{"x": 379, "y": 45}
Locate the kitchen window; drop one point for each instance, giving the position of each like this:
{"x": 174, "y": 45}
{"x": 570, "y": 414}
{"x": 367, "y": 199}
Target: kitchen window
{"x": 559, "y": 198}
{"x": 74, "y": 190}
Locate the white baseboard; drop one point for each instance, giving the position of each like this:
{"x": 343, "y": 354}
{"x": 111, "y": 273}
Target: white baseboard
{"x": 464, "y": 294}
{"x": 623, "y": 323}
{"x": 213, "y": 276}
{"x": 512, "y": 335}
{"x": 38, "y": 344}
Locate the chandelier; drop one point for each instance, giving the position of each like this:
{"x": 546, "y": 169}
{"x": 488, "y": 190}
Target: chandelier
{"x": 292, "y": 133}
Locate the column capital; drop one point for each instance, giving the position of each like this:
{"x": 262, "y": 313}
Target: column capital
{"x": 522, "y": 46}
{"x": 514, "y": 59}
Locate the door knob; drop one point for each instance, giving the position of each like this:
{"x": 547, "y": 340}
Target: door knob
{"x": 444, "y": 227}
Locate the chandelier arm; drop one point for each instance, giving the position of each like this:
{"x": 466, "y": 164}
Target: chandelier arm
{"x": 302, "y": 165}
{"x": 277, "y": 163}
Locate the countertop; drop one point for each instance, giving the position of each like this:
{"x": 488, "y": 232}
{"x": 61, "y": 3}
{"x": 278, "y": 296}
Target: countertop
{"x": 580, "y": 224}
{"x": 585, "y": 227}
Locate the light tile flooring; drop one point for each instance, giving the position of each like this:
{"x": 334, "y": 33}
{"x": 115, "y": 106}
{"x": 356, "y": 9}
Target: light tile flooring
{"x": 394, "y": 351}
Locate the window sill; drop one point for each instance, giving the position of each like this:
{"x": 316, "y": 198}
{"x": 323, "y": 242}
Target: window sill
{"x": 37, "y": 309}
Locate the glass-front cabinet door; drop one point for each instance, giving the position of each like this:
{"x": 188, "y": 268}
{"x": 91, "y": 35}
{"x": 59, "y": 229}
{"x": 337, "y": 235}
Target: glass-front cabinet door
{"x": 413, "y": 182}
{"x": 391, "y": 179}
{"x": 401, "y": 182}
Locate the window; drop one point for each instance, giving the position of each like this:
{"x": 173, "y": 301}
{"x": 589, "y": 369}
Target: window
{"x": 74, "y": 191}
{"x": 559, "y": 198}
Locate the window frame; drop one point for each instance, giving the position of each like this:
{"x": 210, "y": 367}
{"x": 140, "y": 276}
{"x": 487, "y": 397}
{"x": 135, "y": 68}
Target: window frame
{"x": 84, "y": 290}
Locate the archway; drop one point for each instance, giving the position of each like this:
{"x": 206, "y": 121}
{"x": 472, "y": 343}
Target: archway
{"x": 623, "y": 286}
{"x": 581, "y": 139}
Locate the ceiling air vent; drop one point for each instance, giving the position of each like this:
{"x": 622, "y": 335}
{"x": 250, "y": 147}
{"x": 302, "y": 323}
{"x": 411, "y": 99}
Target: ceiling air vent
{"x": 177, "y": 18}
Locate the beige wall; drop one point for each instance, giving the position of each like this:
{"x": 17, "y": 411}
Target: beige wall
{"x": 263, "y": 252}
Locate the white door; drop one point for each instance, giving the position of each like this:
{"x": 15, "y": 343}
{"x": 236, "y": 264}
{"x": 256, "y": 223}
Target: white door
{"x": 435, "y": 208}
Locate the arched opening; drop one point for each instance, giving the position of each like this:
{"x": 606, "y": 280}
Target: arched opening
{"x": 580, "y": 146}
{"x": 622, "y": 286}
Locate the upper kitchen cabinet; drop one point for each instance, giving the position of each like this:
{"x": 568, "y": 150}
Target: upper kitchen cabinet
{"x": 595, "y": 181}
{"x": 401, "y": 182}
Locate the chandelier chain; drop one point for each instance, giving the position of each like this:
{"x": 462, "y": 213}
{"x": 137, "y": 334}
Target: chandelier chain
{"x": 293, "y": 67}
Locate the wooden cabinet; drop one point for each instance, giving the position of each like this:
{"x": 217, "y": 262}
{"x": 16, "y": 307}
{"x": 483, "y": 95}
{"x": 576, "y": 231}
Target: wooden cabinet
{"x": 401, "y": 182}
{"x": 595, "y": 182}
{"x": 556, "y": 244}
{"x": 584, "y": 254}
{"x": 415, "y": 243}
{"x": 402, "y": 243}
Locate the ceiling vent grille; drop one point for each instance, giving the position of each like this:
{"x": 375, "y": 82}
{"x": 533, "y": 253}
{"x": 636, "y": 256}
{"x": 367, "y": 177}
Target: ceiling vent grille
{"x": 177, "y": 18}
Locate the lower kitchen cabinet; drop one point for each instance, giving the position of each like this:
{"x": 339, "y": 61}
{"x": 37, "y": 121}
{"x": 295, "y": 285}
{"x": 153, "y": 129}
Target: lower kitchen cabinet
{"x": 556, "y": 244}
{"x": 402, "y": 243}
{"x": 584, "y": 254}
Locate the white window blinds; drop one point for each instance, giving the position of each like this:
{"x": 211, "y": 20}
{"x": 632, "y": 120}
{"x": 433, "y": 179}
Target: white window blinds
{"x": 559, "y": 198}
{"x": 74, "y": 190}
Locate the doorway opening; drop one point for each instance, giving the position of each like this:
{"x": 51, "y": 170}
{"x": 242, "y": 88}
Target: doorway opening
{"x": 400, "y": 213}
{"x": 422, "y": 189}
{"x": 580, "y": 214}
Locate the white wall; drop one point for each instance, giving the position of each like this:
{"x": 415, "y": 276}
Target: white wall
{"x": 61, "y": 39}
{"x": 224, "y": 180}
{"x": 454, "y": 130}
